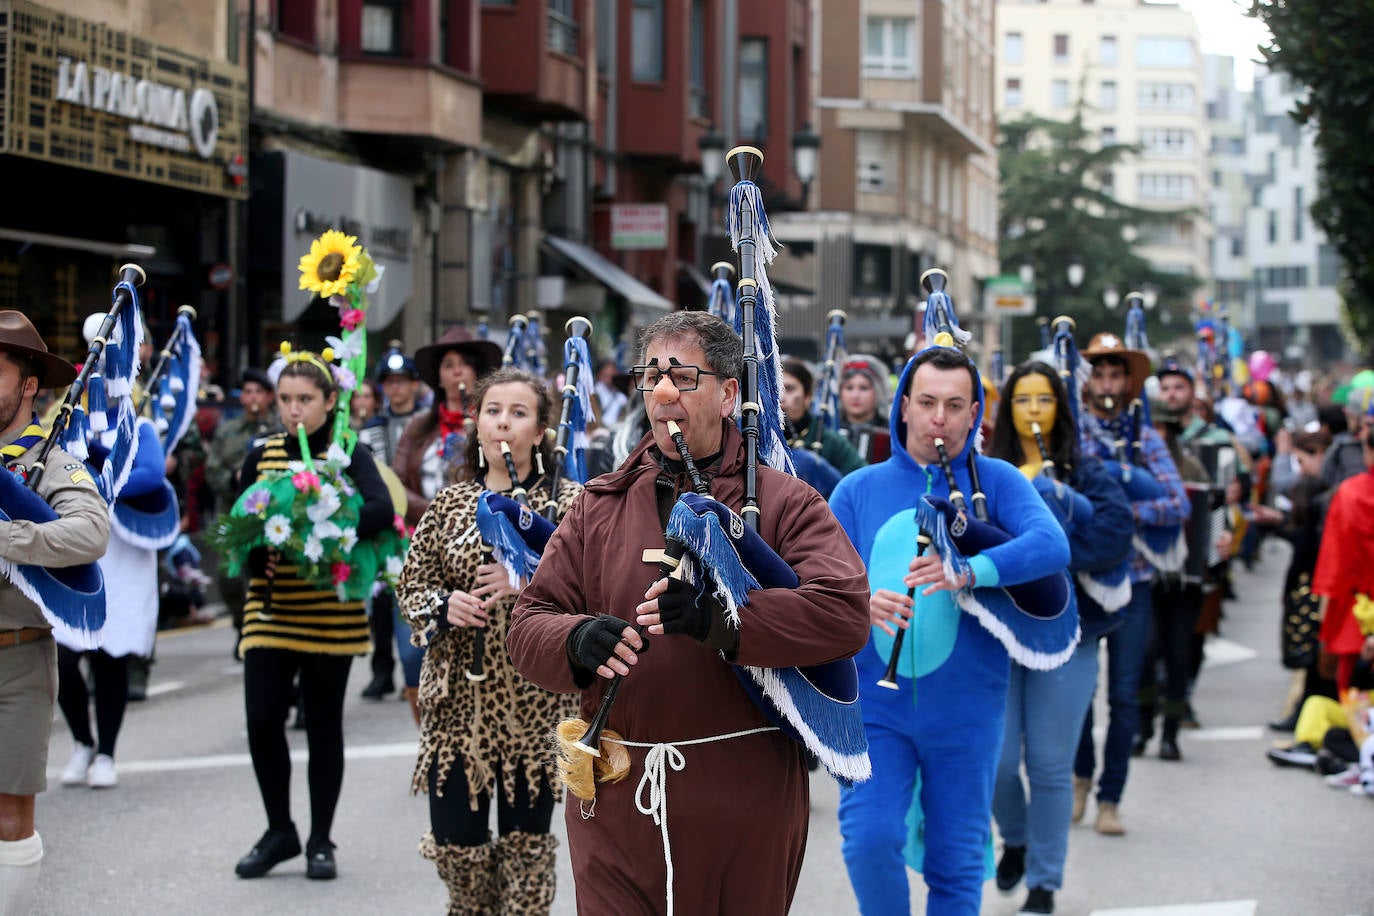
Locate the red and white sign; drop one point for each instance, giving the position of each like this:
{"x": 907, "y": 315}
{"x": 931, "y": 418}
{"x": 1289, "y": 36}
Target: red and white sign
{"x": 639, "y": 227}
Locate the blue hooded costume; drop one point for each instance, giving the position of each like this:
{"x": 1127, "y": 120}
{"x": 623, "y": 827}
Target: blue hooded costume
{"x": 938, "y": 737}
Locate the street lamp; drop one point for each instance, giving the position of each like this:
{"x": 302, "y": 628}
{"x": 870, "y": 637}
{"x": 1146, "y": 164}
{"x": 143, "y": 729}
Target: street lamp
{"x": 1027, "y": 274}
{"x": 1150, "y": 294}
{"x": 806, "y": 145}
{"x": 1075, "y": 272}
{"x": 712, "y": 146}
{"x": 1111, "y": 298}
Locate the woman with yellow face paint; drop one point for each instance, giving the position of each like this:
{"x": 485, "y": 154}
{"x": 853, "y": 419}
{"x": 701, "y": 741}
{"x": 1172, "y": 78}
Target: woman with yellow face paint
{"x": 1036, "y": 430}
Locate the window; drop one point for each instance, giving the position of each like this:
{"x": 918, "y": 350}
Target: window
{"x": 1108, "y": 136}
{"x": 1013, "y": 52}
{"x": 1012, "y": 97}
{"x": 296, "y": 19}
{"x": 1164, "y": 51}
{"x": 753, "y": 88}
{"x": 1167, "y": 141}
{"x": 876, "y": 154}
{"x": 1061, "y": 49}
{"x": 697, "y": 86}
{"x": 1273, "y": 228}
{"x": 1238, "y": 246}
{"x": 1106, "y": 97}
{"x": 1166, "y": 186}
{"x": 1166, "y": 97}
{"x": 1106, "y": 50}
{"x": 1059, "y": 93}
{"x": 604, "y": 10}
{"x": 1298, "y": 214}
{"x": 890, "y": 46}
{"x": 1328, "y": 265}
{"x": 562, "y": 27}
{"x": 646, "y": 46}
{"x": 382, "y": 31}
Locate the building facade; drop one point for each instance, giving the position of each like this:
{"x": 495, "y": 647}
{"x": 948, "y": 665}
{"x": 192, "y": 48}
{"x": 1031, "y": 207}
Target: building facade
{"x": 1138, "y": 70}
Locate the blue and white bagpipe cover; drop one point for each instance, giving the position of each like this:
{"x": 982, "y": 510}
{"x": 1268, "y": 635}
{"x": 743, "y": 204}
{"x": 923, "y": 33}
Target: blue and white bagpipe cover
{"x": 816, "y": 706}
{"x": 815, "y": 470}
{"x": 517, "y": 534}
{"x": 149, "y": 520}
{"x": 1036, "y": 622}
{"x": 1110, "y": 589}
{"x": 576, "y": 353}
{"x": 178, "y": 387}
{"x": 1165, "y": 547}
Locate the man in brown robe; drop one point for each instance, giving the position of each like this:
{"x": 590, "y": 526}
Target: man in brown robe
{"x": 735, "y": 817}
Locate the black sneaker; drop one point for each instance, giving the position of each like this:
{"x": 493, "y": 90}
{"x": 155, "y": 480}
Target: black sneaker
{"x": 1168, "y": 749}
{"x": 1328, "y": 764}
{"x": 1286, "y": 724}
{"x": 319, "y": 861}
{"x": 1301, "y": 754}
{"x": 1039, "y": 900}
{"x": 1011, "y": 868}
{"x": 275, "y": 847}
{"x": 378, "y": 688}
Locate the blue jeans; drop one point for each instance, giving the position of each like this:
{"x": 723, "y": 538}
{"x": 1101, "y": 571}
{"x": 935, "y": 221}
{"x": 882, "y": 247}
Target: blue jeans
{"x": 1125, "y": 655}
{"x": 411, "y": 656}
{"x": 1044, "y": 716}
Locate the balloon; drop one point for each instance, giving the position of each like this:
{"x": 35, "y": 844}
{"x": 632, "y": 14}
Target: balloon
{"x": 1262, "y": 365}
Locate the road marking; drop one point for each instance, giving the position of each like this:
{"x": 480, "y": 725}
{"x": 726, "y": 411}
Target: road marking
{"x": 1219, "y": 651}
{"x": 1232, "y": 733}
{"x": 217, "y": 761}
{"x": 1225, "y": 908}
{"x": 165, "y": 687}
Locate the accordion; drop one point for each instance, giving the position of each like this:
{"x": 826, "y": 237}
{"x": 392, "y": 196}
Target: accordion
{"x": 1209, "y": 517}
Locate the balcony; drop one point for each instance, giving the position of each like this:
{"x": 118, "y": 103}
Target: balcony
{"x": 438, "y": 103}
{"x": 533, "y": 58}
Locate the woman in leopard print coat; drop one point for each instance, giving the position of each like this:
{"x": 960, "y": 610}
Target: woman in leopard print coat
{"x": 487, "y": 739}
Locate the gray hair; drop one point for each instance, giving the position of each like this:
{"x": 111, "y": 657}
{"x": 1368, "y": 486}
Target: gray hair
{"x": 723, "y": 349}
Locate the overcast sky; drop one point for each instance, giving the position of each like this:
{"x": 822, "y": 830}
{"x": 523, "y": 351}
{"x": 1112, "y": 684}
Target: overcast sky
{"x": 1227, "y": 30}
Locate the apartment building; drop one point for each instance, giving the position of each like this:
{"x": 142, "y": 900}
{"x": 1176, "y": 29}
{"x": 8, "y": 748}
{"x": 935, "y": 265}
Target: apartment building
{"x": 908, "y": 169}
{"x": 1138, "y": 69}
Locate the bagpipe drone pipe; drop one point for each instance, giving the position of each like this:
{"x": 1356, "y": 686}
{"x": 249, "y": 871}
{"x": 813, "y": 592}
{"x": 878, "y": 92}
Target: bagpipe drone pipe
{"x": 72, "y": 598}
{"x": 172, "y": 386}
{"x": 571, "y": 441}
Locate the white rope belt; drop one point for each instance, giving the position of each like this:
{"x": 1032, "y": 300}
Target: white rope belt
{"x": 660, "y": 758}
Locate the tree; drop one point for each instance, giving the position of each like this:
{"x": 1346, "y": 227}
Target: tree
{"x": 1056, "y": 206}
{"x": 1321, "y": 46}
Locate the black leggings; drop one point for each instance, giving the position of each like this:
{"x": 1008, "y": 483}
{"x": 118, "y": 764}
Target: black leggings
{"x": 1171, "y": 642}
{"x": 111, "y": 696}
{"x": 268, "y": 697}
{"x": 455, "y": 823}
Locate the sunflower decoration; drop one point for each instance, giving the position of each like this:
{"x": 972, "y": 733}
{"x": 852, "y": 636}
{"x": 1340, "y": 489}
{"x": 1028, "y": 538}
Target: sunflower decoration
{"x": 332, "y": 264}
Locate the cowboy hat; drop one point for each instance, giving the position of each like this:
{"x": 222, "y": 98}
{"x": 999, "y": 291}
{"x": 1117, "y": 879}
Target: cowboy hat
{"x": 1137, "y": 361}
{"x": 19, "y": 337}
{"x": 482, "y": 355}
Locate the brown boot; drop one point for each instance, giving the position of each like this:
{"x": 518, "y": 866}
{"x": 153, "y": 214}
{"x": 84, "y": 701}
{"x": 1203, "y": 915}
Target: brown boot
{"x": 1081, "y": 788}
{"x": 1108, "y": 820}
{"x": 412, "y": 695}
{"x": 468, "y": 872}
{"x": 525, "y": 867}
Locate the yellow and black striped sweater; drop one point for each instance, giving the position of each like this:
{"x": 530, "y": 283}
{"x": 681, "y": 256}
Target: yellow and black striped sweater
{"x": 301, "y": 616}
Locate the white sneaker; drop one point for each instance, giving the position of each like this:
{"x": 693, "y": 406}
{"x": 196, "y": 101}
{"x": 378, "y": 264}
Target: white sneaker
{"x": 80, "y": 762}
{"x": 102, "y": 775}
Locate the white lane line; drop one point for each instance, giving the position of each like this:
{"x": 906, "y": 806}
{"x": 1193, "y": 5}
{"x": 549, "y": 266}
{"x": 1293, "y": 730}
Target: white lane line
{"x": 1219, "y": 651}
{"x": 215, "y": 761}
{"x": 1230, "y": 733}
{"x": 1225, "y": 908}
{"x": 162, "y": 687}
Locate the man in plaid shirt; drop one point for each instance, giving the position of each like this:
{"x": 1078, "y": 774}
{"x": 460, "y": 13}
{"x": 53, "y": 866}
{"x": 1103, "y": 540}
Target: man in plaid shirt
{"x": 1160, "y": 504}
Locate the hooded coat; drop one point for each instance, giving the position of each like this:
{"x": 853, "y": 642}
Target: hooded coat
{"x": 1343, "y": 569}
{"x": 938, "y": 736}
{"x": 739, "y": 808}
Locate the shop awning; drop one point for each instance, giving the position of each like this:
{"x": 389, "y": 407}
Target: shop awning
{"x": 700, "y": 279}
{"x": 610, "y": 276}
{"x": 113, "y": 249}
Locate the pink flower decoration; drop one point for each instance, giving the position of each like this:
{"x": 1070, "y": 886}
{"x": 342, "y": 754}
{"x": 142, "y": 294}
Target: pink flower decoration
{"x": 306, "y": 482}
{"x": 351, "y": 318}
{"x": 341, "y": 572}
{"x": 399, "y": 524}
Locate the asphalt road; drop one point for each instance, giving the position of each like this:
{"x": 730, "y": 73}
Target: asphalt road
{"x": 1223, "y": 833}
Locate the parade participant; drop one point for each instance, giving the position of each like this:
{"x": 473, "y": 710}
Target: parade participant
{"x": 805, "y": 432}
{"x": 611, "y": 399}
{"x": 367, "y": 401}
{"x": 28, "y": 656}
{"x": 1118, "y": 377}
{"x": 941, "y": 727}
{"x": 290, "y": 628}
{"x": 488, "y": 739}
{"x": 233, "y": 439}
{"x": 864, "y": 395}
{"x": 1045, "y": 709}
{"x": 737, "y": 833}
{"x": 1344, "y": 576}
{"x": 424, "y": 455}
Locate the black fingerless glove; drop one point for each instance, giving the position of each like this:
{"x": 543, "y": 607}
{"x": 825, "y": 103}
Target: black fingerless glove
{"x": 701, "y": 617}
{"x": 591, "y": 644}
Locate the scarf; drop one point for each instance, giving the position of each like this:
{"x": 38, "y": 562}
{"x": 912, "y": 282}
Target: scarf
{"x": 450, "y": 424}
{"x": 31, "y": 436}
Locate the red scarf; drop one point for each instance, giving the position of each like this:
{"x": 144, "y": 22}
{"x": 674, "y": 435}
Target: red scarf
{"x": 450, "y": 421}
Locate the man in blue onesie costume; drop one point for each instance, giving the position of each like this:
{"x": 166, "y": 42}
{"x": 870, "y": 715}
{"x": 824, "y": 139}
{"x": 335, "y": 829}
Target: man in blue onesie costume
{"x": 941, "y": 729}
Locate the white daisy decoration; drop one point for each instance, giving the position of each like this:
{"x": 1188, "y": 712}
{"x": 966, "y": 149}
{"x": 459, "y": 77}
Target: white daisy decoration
{"x": 348, "y": 539}
{"x": 394, "y": 566}
{"x": 323, "y": 507}
{"x": 314, "y": 548}
{"x": 326, "y": 531}
{"x": 346, "y": 349}
{"x": 277, "y": 530}
{"x": 336, "y": 455}
{"x": 295, "y": 467}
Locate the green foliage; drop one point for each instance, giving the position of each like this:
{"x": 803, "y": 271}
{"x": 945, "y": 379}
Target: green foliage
{"x": 1053, "y": 209}
{"x": 1321, "y": 45}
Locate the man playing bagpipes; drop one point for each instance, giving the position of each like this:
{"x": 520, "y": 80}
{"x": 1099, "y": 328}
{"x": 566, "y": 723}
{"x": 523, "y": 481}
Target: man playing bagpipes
{"x": 935, "y": 719}
{"x": 64, "y": 524}
{"x": 735, "y": 834}
{"x": 1118, "y": 433}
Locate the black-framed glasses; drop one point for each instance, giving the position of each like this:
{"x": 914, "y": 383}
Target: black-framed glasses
{"x": 684, "y": 378}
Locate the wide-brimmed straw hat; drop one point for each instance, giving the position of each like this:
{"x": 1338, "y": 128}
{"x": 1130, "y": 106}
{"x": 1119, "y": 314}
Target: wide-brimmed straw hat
{"x": 482, "y": 355}
{"x": 19, "y": 337}
{"x": 1137, "y": 361}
